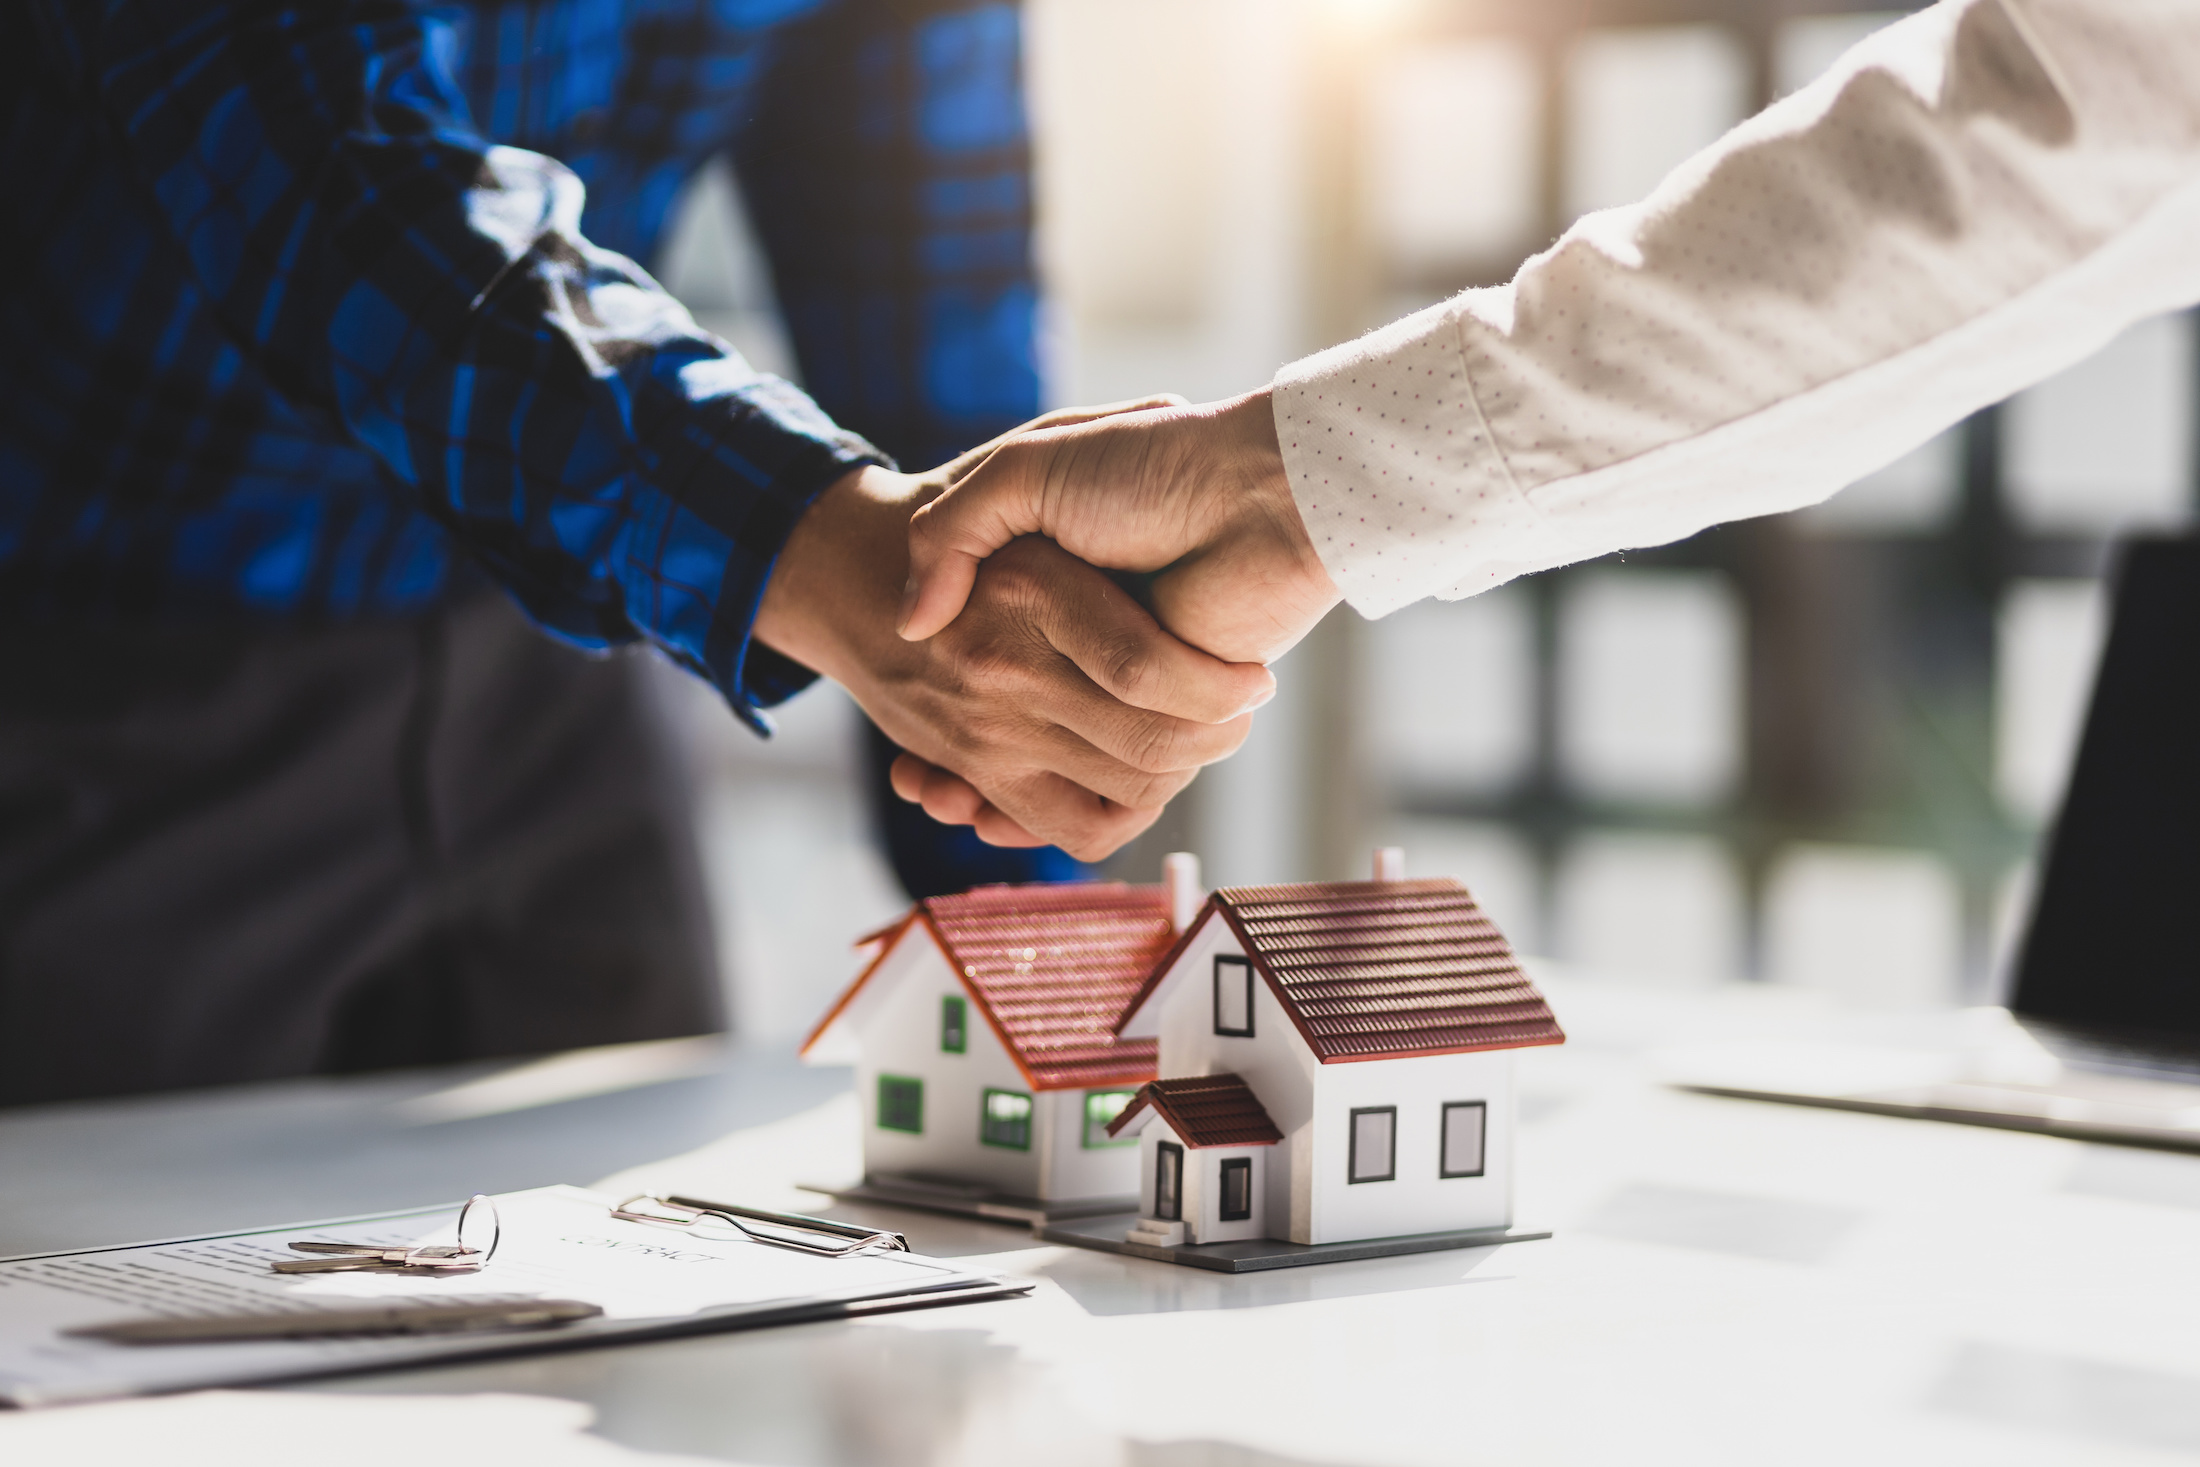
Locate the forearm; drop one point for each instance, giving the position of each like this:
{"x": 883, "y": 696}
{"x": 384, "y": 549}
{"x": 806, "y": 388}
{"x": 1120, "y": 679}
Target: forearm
{"x": 1980, "y": 197}
{"x": 385, "y": 267}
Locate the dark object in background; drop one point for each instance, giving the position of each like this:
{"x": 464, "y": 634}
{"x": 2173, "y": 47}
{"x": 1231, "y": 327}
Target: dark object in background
{"x": 246, "y": 852}
{"x": 2114, "y": 949}
{"x": 939, "y": 860}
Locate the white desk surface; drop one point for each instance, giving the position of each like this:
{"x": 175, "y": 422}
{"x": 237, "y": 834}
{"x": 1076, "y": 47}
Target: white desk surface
{"x": 1730, "y": 1282}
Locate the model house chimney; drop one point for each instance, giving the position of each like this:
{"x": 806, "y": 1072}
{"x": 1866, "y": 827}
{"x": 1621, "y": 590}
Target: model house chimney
{"x": 1180, "y": 874}
{"x": 1390, "y": 863}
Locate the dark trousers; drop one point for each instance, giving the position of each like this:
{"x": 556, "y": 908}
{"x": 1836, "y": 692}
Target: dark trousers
{"x": 234, "y": 855}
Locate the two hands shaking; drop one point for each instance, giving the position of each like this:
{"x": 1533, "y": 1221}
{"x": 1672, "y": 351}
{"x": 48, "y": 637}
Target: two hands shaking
{"x": 970, "y": 612}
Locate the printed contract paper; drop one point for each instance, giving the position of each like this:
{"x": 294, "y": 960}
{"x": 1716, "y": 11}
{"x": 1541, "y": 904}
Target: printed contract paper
{"x": 559, "y": 1242}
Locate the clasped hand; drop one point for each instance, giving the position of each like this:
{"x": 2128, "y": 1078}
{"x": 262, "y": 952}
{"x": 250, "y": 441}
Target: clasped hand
{"x": 1195, "y": 495}
{"x": 1054, "y": 709}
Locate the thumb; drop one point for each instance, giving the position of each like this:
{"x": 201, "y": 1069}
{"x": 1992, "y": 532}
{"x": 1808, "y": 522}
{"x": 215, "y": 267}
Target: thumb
{"x": 949, "y": 537}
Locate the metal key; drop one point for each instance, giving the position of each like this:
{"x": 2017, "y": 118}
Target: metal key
{"x": 478, "y": 1217}
{"x": 350, "y": 1257}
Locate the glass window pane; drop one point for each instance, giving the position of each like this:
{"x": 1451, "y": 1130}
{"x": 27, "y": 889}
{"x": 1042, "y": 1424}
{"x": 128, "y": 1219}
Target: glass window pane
{"x": 1867, "y": 924}
{"x": 901, "y": 1104}
{"x": 1450, "y": 159}
{"x": 2047, "y": 643}
{"x": 1101, "y": 1107}
{"x": 1005, "y": 1120}
{"x": 1650, "y": 686}
{"x": 1640, "y": 100}
{"x": 2107, "y": 445}
{"x": 1662, "y": 907}
{"x": 954, "y": 1034}
{"x": 1451, "y": 693}
{"x": 1234, "y": 997}
{"x": 1805, "y": 48}
{"x": 1914, "y": 495}
{"x": 1465, "y": 1123}
{"x": 1374, "y": 1134}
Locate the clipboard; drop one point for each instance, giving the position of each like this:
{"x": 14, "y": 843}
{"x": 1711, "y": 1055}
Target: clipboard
{"x": 559, "y": 1242}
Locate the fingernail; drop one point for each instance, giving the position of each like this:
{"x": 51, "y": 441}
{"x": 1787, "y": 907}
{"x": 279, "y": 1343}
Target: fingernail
{"x": 1263, "y": 700}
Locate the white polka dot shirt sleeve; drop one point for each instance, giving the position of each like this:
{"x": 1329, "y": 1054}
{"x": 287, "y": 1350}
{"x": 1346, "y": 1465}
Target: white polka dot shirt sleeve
{"x": 1971, "y": 200}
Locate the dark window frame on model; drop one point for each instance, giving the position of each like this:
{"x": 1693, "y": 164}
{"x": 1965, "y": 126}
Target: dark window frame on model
{"x": 1242, "y": 973}
{"x": 898, "y": 1094}
{"x": 1481, "y": 1122}
{"x": 1352, "y": 1145}
{"x": 1010, "y": 1133}
{"x": 1168, "y": 1165}
{"x": 954, "y": 1024}
{"x": 1231, "y": 1167}
{"x": 1094, "y": 1130}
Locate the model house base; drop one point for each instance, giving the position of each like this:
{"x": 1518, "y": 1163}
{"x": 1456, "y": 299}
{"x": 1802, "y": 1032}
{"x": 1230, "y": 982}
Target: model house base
{"x": 1118, "y": 1234}
{"x": 956, "y": 1199}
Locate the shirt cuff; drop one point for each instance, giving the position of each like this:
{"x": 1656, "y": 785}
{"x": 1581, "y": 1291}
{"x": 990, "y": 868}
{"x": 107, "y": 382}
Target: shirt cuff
{"x": 1394, "y": 470}
{"x": 751, "y": 676}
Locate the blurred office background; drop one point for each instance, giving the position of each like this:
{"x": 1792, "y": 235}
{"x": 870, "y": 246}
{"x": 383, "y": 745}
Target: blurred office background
{"x": 1814, "y": 750}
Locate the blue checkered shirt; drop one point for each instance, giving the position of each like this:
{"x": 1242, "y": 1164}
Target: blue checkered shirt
{"x": 287, "y": 336}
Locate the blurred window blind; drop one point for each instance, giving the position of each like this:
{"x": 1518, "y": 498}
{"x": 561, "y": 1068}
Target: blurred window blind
{"x": 2047, "y": 644}
{"x": 1650, "y": 686}
{"x": 1640, "y": 100}
{"x": 2107, "y": 446}
{"x": 1450, "y": 166}
{"x": 1454, "y": 682}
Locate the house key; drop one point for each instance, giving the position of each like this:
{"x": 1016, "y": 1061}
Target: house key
{"x": 468, "y": 1255}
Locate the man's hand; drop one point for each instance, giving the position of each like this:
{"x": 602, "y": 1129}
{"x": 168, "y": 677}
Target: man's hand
{"x": 1196, "y": 493}
{"x": 1070, "y": 716}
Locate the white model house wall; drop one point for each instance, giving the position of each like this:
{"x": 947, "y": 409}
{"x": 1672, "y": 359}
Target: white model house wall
{"x": 900, "y": 1036}
{"x": 1309, "y": 1197}
{"x": 1079, "y": 1161}
{"x": 1202, "y": 1200}
{"x": 1275, "y": 1063}
{"x": 1418, "y": 1198}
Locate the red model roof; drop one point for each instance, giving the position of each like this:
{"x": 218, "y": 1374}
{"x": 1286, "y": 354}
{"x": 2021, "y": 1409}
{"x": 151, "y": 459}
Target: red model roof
{"x": 1206, "y": 1110}
{"x": 1382, "y": 969}
{"x": 1051, "y": 967}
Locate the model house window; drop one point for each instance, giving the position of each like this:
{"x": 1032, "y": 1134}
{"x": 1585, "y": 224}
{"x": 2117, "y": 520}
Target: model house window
{"x": 1466, "y": 1122}
{"x": 1237, "y": 1189}
{"x": 1234, "y": 997}
{"x": 1004, "y": 1119}
{"x": 1101, "y": 1107}
{"x": 954, "y": 1025}
{"x": 1168, "y": 1182}
{"x": 1374, "y": 1147}
{"x": 901, "y": 1104}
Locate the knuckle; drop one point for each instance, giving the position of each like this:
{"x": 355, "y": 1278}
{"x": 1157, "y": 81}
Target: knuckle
{"x": 1130, "y": 671}
{"x": 1157, "y": 746}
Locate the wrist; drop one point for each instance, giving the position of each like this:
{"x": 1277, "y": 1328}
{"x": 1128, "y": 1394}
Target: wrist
{"x": 835, "y": 589}
{"x": 1266, "y": 512}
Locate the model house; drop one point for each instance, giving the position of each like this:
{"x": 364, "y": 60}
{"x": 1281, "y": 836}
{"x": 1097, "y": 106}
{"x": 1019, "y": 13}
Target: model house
{"x": 983, "y": 1035}
{"x": 1336, "y": 1064}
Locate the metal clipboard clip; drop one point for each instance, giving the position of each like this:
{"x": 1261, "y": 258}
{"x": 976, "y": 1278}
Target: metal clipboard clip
{"x": 780, "y": 1229}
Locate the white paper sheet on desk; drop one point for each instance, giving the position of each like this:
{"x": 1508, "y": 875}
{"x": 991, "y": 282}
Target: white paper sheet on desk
{"x": 558, "y": 1242}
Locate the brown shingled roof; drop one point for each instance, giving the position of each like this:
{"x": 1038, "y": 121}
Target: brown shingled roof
{"x": 1382, "y": 969}
{"x": 1051, "y": 967}
{"x": 1206, "y": 1110}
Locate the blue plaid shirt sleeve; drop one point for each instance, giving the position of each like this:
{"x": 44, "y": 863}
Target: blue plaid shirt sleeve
{"x": 617, "y": 469}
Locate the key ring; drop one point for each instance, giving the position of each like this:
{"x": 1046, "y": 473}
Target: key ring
{"x": 480, "y": 1202}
